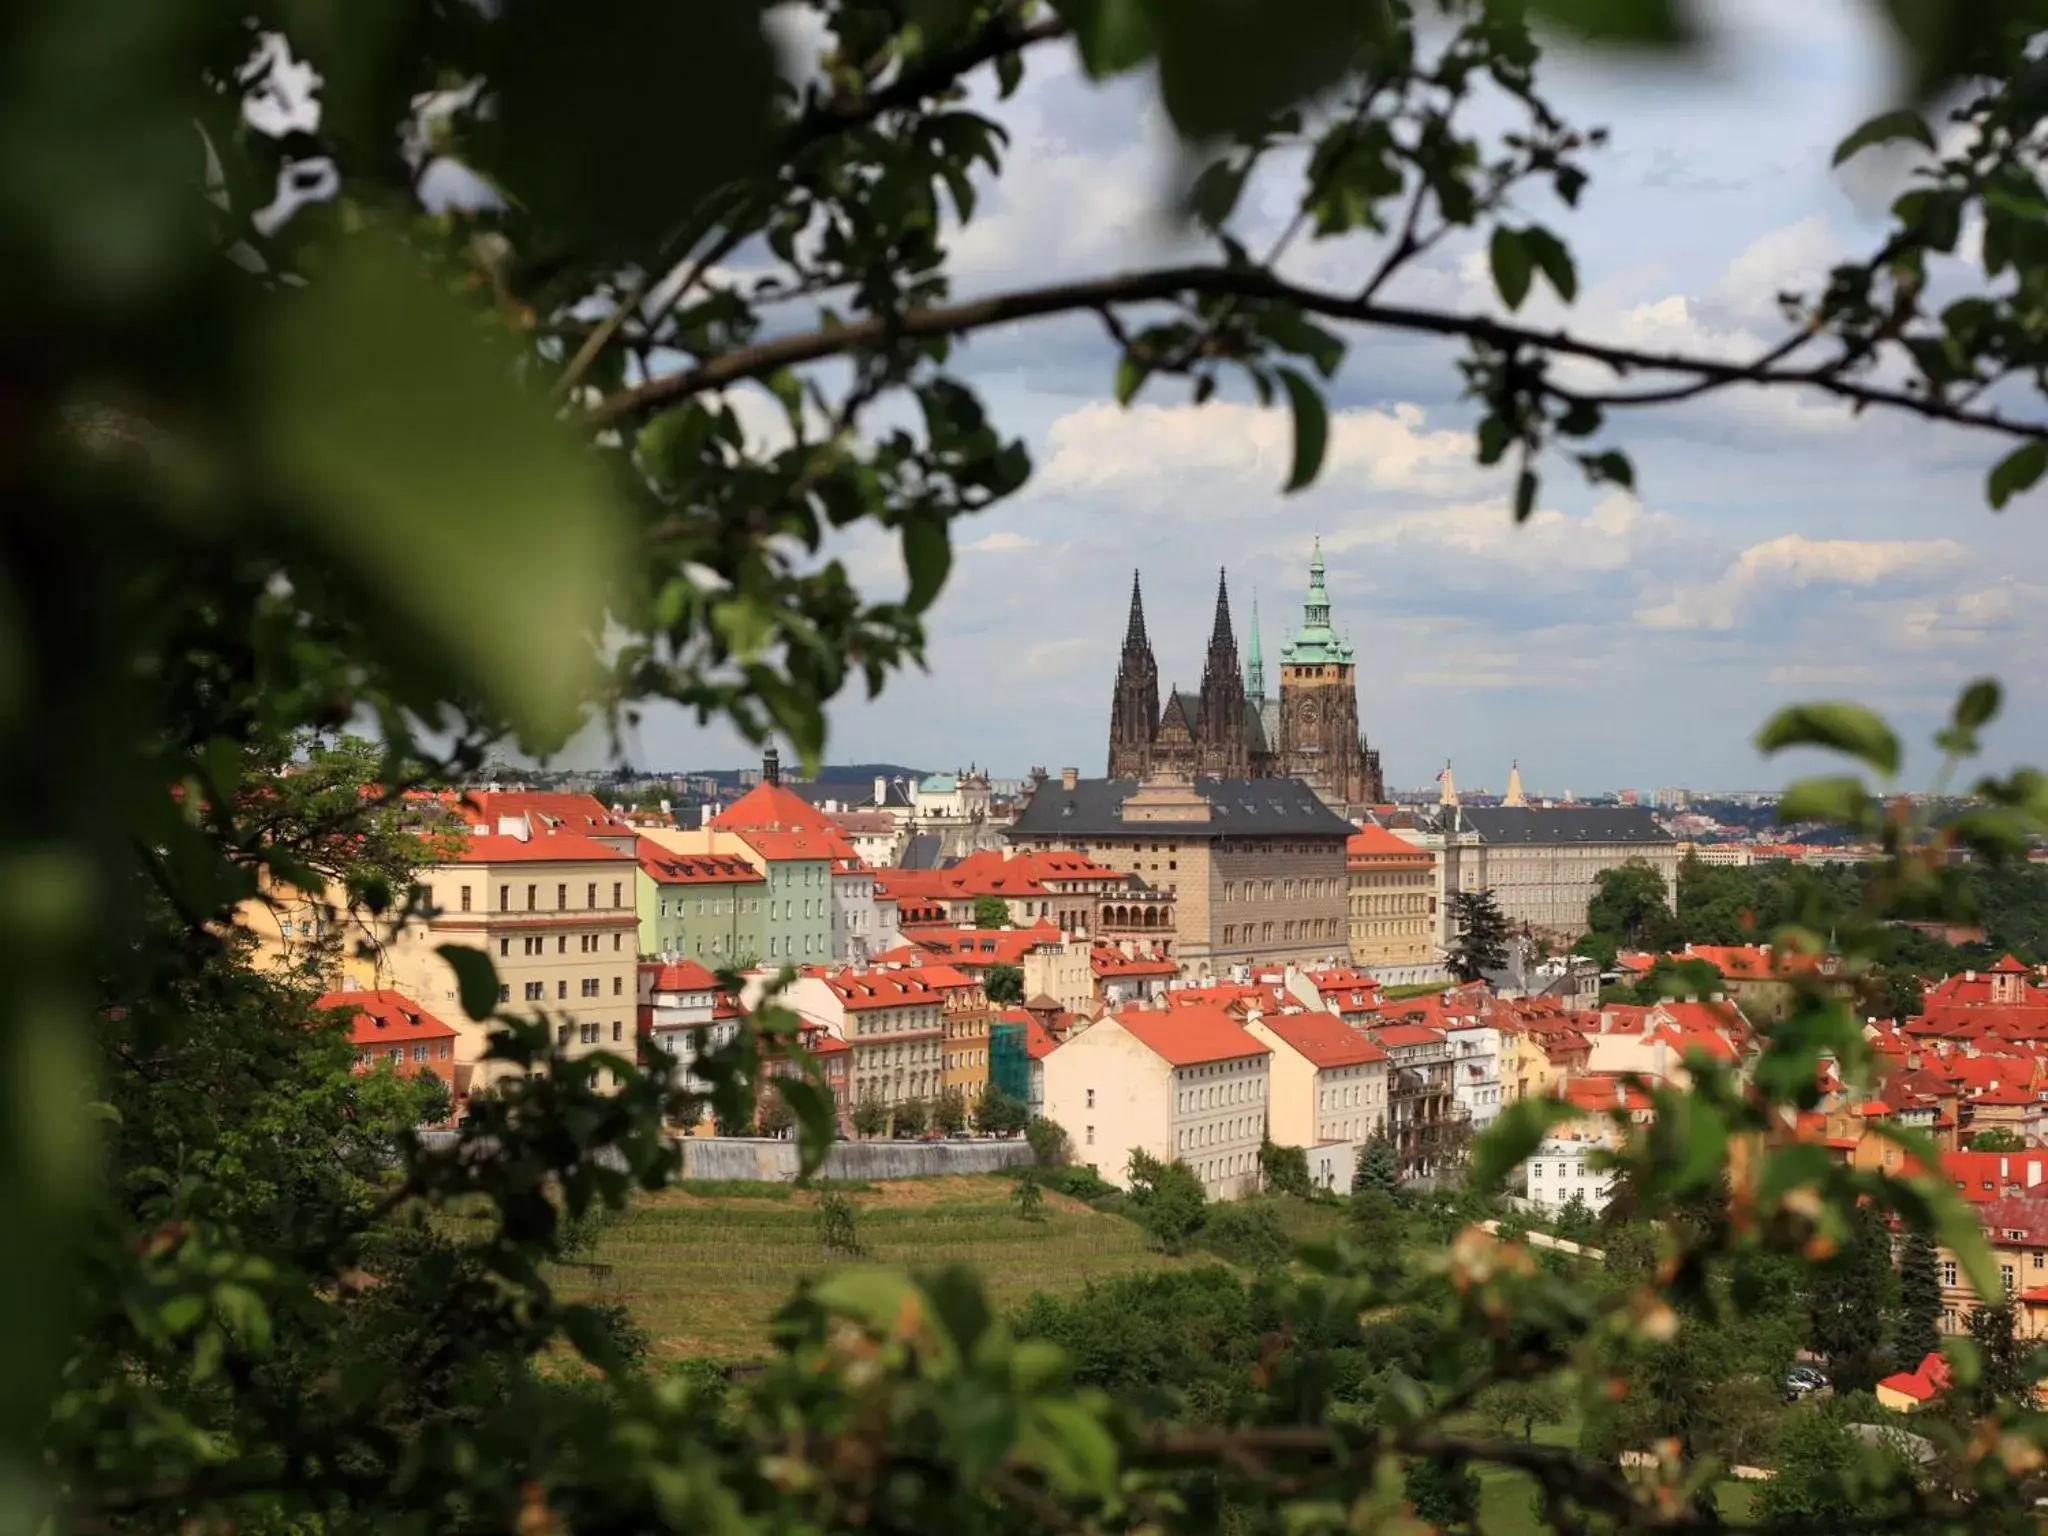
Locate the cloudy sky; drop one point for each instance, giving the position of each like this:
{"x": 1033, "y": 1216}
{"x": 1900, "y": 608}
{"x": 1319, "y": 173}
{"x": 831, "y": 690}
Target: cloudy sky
{"x": 1780, "y": 550}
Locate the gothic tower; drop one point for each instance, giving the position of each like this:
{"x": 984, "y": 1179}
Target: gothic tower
{"x": 1224, "y": 750}
{"x": 1319, "y": 736}
{"x": 1134, "y": 711}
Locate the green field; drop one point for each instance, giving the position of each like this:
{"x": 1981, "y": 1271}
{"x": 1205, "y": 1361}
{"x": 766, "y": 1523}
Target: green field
{"x": 704, "y": 1273}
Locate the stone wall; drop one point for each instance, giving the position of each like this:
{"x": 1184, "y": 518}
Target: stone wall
{"x": 769, "y": 1161}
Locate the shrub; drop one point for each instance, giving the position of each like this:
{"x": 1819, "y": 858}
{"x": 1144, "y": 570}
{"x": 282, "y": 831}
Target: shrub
{"x": 1285, "y": 1169}
{"x": 1248, "y": 1233}
{"x": 1168, "y": 1199}
{"x": 1049, "y": 1142}
{"x": 1029, "y": 1200}
{"x": 838, "y": 1234}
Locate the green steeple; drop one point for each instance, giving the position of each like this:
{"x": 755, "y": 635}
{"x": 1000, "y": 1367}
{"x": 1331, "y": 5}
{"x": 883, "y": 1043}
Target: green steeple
{"x": 1255, "y": 661}
{"x": 1315, "y": 641}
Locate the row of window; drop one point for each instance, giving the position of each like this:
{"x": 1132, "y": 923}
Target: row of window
{"x": 1348, "y": 1096}
{"x": 589, "y": 986}
{"x": 786, "y": 948}
{"x": 586, "y": 944}
{"x": 1188, "y": 1138}
{"x": 1416, "y": 879}
{"x": 1243, "y": 1090}
{"x": 589, "y": 1033}
{"x": 1389, "y": 906}
{"x": 1284, "y": 890}
{"x": 425, "y": 1050}
{"x": 955, "y": 1060}
{"x": 902, "y": 1054}
{"x": 713, "y": 906}
{"x": 1291, "y": 931}
{"x": 561, "y": 897}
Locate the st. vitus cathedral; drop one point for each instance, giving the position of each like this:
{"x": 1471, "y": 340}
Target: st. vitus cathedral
{"x": 1231, "y": 729}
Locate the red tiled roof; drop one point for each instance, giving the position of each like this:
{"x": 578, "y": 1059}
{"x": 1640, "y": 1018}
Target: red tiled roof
{"x": 666, "y": 868}
{"x": 384, "y": 1016}
{"x": 1924, "y": 1382}
{"x": 1190, "y": 1037}
{"x": 980, "y": 946}
{"x": 1380, "y": 847}
{"x": 1597, "y": 1092}
{"x": 678, "y": 976}
{"x": 1323, "y": 1038}
{"x": 1111, "y": 963}
{"x": 569, "y": 812}
{"x": 543, "y": 848}
{"x": 1406, "y": 1034}
{"x": 909, "y": 987}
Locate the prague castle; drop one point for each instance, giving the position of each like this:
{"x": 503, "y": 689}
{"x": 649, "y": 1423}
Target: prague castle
{"x": 1231, "y": 729}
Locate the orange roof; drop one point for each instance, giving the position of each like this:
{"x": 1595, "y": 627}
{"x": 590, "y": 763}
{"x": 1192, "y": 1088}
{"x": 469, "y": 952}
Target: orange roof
{"x": 910, "y": 987}
{"x": 666, "y": 868}
{"x": 1407, "y": 1034}
{"x": 1924, "y": 1382}
{"x": 1108, "y": 962}
{"x": 569, "y": 812}
{"x": 2009, "y": 965}
{"x": 679, "y": 976}
{"x": 1038, "y": 1043}
{"x": 1190, "y": 1037}
{"x": 384, "y": 1016}
{"x": 980, "y": 946}
{"x": 1379, "y": 847}
{"x": 543, "y": 848}
{"x": 1323, "y": 1038}
{"x": 828, "y": 1045}
{"x": 781, "y": 825}
{"x": 1599, "y": 1092}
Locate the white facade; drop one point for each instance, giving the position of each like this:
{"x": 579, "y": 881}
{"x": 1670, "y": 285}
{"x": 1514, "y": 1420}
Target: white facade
{"x": 1114, "y": 1094}
{"x": 862, "y": 927}
{"x": 1558, "y": 1169}
{"x": 1475, "y": 1072}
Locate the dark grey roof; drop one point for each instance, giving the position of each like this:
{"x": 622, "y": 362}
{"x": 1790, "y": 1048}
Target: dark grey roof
{"x": 922, "y": 850}
{"x": 1564, "y": 824}
{"x": 1237, "y": 807}
{"x": 1186, "y": 705}
{"x": 1255, "y": 731}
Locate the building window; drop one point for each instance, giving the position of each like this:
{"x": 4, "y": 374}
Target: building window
{"x": 618, "y": 986}
{"x": 465, "y": 898}
{"x": 504, "y": 946}
{"x": 618, "y": 900}
{"x": 1948, "y": 1273}
{"x": 590, "y": 986}
{"x": 562, "y": 897}
{"x": 590, "y": 895}
{"x": 618, "y": 1030}
{"x": 1091, "y": 1098}
{"x": 561, "y": 991}
{"x": 561, "y": 1035}
{"x": 505, "y": 994}
{"x": 1091, "y": 1136}
{"x": 504, "y": 898}
{"x": 535, "y": 991}
{"x": 532, "y": 898}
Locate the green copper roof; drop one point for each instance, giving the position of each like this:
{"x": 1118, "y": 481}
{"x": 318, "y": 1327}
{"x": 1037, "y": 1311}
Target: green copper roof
{"x": 1255, "y": 660}
{"x": 1315, "y": 641}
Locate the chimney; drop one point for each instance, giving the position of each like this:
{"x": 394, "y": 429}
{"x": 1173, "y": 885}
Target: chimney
{"x": 881, "y": 791}
{"x": 1069, "y": 777}
{"x": 704, "y": 814}
{"x": 771, "y": 765}
{"x": 663, "y": 803}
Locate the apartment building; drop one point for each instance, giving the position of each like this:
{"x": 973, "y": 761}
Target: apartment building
{"x": 1189, "y": 1084}
{"x": 967, "y": 1019}
{"x": 894, "y": 1020}
{"x": 1255, "y": 867}
{"x": 1391, "y": 903}
{"x": 1420, "y": 1105}
{"x": 555, "y": 913}
{"x": 1328, "y": 1080}
{"x": 706, "y": 907}
{"x": 391, "y": 1032}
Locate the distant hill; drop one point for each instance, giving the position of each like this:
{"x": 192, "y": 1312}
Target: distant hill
{"x": 830, "y": 773}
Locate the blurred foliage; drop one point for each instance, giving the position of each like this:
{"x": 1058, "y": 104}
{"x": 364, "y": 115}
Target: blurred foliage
{"x": 474, "y": 375}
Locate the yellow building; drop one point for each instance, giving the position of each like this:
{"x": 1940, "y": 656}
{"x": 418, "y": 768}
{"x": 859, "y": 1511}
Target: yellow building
{"x": 1328, "y": 1082}
{"x": 332, "y": 946}
{"x": 1392, "y": 901}
{"x": 967, "y": 1017}
{"x": 555, "y": 913}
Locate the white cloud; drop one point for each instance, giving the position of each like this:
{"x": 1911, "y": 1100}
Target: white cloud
{"x": 1614, "y": 535}
{"x": 1102, "y": 447}
{"x": 1793, "y": 561}
{"x": 1001, "y": 542}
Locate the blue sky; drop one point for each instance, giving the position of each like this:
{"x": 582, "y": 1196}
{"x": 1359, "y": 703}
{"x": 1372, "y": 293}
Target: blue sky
{"x": 1779, "y": 550}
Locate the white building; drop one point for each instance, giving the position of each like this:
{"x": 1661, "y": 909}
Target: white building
{"x": 862, "y": 927}
{"x": 1475, "y": 1066}
{"x": 1328, "y": 1080}
{"x": 1562, "y": 1164}
{"x": 1187, "y": 1084}
{"x": 684, "y": 1007}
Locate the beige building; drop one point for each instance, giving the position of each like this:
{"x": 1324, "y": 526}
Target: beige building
{"x": 1328, "y": 1081}
{"x": 340, "y": 949}
{"x": 1061, "y": 971}
{"x": 555, "y": 913}
{"x": 1393, "y": 902}
{"x": 1256, "y": 867}
{"x": 1187, "y": 1084}
{"x": 894, "y": 1020}
{"x": 1540, "y": 861}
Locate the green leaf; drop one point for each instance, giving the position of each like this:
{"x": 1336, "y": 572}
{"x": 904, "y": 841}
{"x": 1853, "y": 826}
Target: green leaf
{"x": 1226, "y": 66}
{"x": 1844, "y": 799}
{"x": 1130, "y": 378}
{"x": 927, "y": 556}
{"x": 1526, "y": 485}
{"x": 473, "y": 523}
{"x": 1113, "y": 35}
{"x": 592, "y": 100}
{"x": 1311, "y": 428}
{"x": 816, "y": 1120}
{"x": 1513, "y": 264}
{"x": 591, "y": 1333}
{"x": 1612, "y": 466}
{"x": 1072, "y": 1446}
{"x": 1216, "y": 191}
{"x": 476, "y": 979}
{"x": 1642, "y": 23}
{"x": 882, "y": 1299}
{"x": 1506, "y": 1144}
{"x": 1996, "y": 835}
{"x": 1288, "y": 328}
{"x": 1553, "y": 260}
{"x": 2016, "y": 472}
{"x": 181, "y": 1313}
{"x": 1978, "y": 704}
{"x": 1838, "y": 727}
{"x": 246, "y": 1315}
{"x": 1883, "y": 129}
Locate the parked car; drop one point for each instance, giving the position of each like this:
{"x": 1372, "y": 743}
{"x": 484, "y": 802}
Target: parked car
{"x": 1802, "y": 1380}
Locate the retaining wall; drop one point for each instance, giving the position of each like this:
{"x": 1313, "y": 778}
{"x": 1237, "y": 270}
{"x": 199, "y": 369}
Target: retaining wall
{"x": 769, "y": 1161}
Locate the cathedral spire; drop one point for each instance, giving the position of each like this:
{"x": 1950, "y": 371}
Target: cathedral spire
{"x": 1134, "y": 632}
{"x": 1255, "y": 660}
{"x": 1221, "y": 634}
{"x": 1514, "y": 794}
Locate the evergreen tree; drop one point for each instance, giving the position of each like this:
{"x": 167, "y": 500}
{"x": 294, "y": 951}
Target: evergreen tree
{"x": 1850, "y": 1300}
{"x": 1377, "y": 1167}
{"x": 1285, "y": 1169}
{"x": 1481, "y": 944}
{"x": 991, "y": 912}
{"x": 1003, "y": 984}
{"x": 1919, "y": 1300}
{"x": 1443, "y": 1493}
{"x": 2004, "y": 1379}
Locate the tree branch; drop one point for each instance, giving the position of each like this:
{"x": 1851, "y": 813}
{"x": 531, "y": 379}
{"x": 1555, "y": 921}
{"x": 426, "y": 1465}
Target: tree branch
{"x": 1173, "y": 283}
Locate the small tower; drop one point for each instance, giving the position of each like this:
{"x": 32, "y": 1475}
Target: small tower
{"x": 1447, "y": 787}
{"x": 1515, "y": 795}
{"x": 771, "y": 765}
{"x": 1255, "y": 661}
{"x": 1221, "y": 726}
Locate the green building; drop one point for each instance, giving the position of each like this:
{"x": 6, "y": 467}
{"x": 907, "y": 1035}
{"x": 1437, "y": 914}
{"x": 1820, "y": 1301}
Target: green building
{"x": 1009, "y": 1063}
{"x": 707, "y": 907}
{"x": 797, "y": 926}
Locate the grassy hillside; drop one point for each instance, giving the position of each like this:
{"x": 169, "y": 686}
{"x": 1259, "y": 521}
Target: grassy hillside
{"x": 705, "y": 1271}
